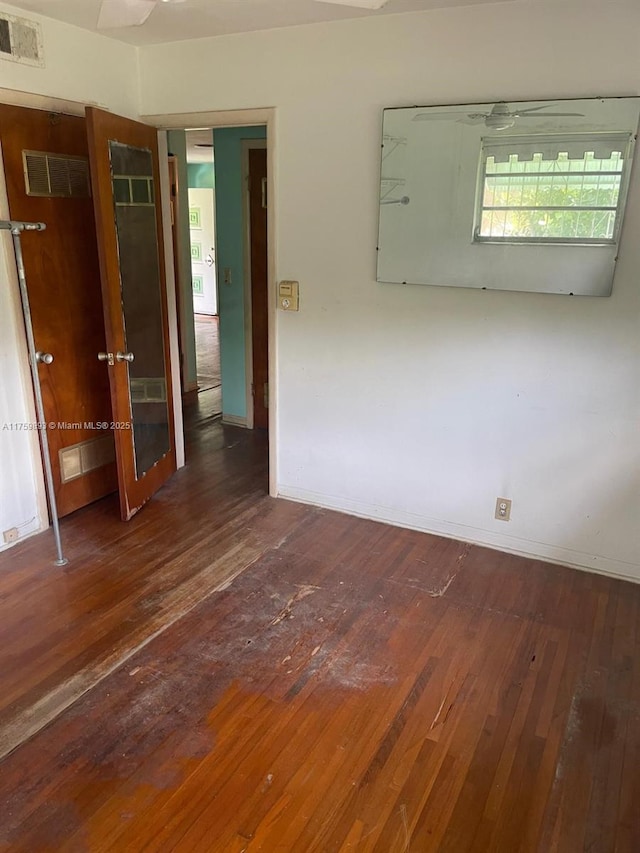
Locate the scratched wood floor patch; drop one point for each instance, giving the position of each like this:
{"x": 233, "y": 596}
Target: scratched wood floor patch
{"x": 356, "y": 688}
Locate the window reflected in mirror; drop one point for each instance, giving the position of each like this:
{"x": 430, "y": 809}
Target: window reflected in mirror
{"x": 521, "y": 196}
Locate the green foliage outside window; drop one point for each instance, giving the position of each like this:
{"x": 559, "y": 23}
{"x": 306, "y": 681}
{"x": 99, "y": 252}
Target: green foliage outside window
{"x": 560, "y": 199}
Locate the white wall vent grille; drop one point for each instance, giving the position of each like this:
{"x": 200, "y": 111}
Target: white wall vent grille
{"x": 56, "y": 175}
{"x": 20, "y": 40}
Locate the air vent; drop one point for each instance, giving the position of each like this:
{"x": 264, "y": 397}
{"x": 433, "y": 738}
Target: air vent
{"x": 56, "y": 175}
{"x": 86, "y": 456}
{"x": 148, "y": 390}
{"x": 20, "y": 40}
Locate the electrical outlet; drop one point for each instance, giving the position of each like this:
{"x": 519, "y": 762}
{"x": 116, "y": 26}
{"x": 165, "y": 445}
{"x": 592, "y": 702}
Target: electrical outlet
{"x": 11, "y": 535}
{"x": 503, "y": 509}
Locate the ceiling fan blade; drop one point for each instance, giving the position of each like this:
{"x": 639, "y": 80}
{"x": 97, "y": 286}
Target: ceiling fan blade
{"x": 437, "y": 116}
{"x": 541, "y": 115}
{"x": 372, "y": 5}
{"x": 535, "y": 109}
{"x": 124, "y": 13}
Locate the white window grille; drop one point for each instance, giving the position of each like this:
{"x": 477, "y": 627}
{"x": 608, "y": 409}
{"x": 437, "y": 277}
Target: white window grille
{"x": 552, "y": 189}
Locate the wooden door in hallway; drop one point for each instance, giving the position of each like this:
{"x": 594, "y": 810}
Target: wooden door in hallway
{"x": 259, "y": 292}
{"x": 47, "y": 179}
{"x": 125, "y": 176}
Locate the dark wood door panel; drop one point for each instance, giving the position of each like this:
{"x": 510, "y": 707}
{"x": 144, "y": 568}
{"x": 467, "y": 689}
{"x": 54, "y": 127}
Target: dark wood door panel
{"x": 259, "y": 297}
{"x": 63, "y": 280}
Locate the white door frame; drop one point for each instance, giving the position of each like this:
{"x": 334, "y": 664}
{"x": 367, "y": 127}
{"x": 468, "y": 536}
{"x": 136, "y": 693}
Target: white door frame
{"x": 240, "y": 118}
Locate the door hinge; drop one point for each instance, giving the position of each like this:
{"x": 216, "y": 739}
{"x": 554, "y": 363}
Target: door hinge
{"x": 265, "y": 395}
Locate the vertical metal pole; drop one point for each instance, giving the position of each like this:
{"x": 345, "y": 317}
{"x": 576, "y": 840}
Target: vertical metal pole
{"x": 16, "y": 229}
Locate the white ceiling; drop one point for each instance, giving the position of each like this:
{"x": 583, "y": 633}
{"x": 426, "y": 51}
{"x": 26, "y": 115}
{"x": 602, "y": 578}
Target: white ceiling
{"x": 198, "y": 18}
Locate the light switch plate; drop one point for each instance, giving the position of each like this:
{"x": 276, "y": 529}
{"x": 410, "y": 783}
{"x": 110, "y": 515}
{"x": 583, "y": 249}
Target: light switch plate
{"x": 288, "y": 296}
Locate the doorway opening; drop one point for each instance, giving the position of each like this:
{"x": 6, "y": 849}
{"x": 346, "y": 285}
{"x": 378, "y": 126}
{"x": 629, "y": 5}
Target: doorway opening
{"x": 202, "y": 242}
{"x": 204, "y": 286}
{"x": 223, "y": 296}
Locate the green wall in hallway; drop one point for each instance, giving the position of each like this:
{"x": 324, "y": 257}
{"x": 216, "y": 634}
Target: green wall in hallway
{"x": 230, "y": 256}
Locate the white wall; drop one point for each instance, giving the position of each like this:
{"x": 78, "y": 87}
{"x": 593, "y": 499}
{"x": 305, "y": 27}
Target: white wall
{"x": 21, "y": 487}
{"x": 79, "y": 67}
{"x": 421, "y": 405}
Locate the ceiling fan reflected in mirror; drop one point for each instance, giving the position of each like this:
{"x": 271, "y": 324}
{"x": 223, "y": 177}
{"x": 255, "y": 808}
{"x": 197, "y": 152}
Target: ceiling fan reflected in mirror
{"x": 133, "y": 13}
{"x": 500, "y": 117}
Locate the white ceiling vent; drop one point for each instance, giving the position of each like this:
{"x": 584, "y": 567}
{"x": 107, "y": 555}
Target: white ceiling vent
{"x": 20, "y": 40}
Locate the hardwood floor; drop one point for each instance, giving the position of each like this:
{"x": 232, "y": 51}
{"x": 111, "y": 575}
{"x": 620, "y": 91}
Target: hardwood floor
{"x": 256, "y": 675}
{"x": 62, "y": 629}
{"x": 207, "y": 330}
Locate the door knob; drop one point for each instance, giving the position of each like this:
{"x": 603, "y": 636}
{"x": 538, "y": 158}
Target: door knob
{"x": 106, "y": 356}
{"x": 125, "y": 356}
{"x": 44, "y": 357}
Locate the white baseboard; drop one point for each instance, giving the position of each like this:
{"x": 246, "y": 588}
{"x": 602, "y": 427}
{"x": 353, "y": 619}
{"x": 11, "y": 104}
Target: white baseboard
{"x": 234, "y": 420}
{"x": 474, "y": 535}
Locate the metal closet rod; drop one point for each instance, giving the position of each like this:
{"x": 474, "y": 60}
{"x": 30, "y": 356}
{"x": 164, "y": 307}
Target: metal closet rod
{"x": 16, "y": 228}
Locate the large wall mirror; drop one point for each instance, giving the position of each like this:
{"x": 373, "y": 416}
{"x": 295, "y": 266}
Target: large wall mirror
{"x": 523, "y": 196}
